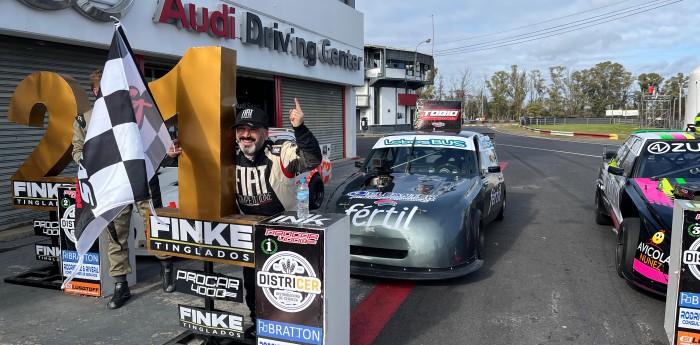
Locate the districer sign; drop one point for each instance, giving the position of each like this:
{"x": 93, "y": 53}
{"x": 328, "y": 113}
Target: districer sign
{"x": 683, "y": 302}
{"x": 302, "y": 279}
{"x": 87, "y": 282}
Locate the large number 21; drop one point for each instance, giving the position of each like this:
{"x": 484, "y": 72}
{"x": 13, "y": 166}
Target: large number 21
{"x": 200, "y": 90}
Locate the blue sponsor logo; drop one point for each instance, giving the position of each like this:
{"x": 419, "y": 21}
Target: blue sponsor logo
{"x": 288, "y": 331}
{"x": 690, "y": 300}
{"x": 88, "y": 258}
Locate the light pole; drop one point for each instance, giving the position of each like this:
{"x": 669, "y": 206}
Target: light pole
{"x": 415, "y": 68}
{"x": 415, "y": 55}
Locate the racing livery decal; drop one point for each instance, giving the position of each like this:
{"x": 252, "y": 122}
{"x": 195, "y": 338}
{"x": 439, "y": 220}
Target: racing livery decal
{"x": 651, "y": 191}
{"x": 651, "y": 259}
{"x": 391, "y": 196}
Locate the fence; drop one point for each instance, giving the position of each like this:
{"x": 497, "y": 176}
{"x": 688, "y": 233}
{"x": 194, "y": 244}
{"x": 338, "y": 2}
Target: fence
{"x": 641, "y": 123}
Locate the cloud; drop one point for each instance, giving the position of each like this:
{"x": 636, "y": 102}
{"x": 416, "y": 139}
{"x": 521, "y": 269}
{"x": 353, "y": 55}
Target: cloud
{"x": 487, "y": 36}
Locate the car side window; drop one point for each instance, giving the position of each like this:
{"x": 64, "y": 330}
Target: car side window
{"x": 627, "y": 162}
{"x": 487, "y": 154}
{"x": 621, "y": 153}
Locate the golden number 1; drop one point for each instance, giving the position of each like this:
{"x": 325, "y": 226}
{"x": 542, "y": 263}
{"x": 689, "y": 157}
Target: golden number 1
{"x": 201, "y": 90}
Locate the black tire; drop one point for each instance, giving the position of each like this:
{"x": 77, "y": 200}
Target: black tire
{"x": 502, "y": 212}
{"x": 601, "y": 216}
{"x": 316, "y": 193}
{"x": 626, "y": 248}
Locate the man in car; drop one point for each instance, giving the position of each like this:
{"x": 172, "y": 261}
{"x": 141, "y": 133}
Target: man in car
{"x": 265, "y": 173}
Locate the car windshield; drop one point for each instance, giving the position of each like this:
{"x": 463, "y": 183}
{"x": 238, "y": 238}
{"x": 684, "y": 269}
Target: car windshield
{"x": 683, "y": 163}
{"x": 422, "y": 160}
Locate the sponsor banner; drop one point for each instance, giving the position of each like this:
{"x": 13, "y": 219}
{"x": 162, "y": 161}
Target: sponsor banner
{"x": 83, "y": 288}
{"x": 289, "y": 282}
{"x": 312, "y": 221}
{"x": 35, "y": 194}
{"x": 425, "y": 141}
{"x": 47, "y": 252}
{"x": 443, "y": 115}
{"x": 290, "y": 278}
{"x": 384, "y": 213}
{"x": 689, "y": 299}
{"x": 213, "y": 285}
{"x": 202, "y": 240}
{"x": 661, "y": 147}
{"x": 211, "y": 322}
{"x": 688, "y": 338}
{"x": 287, "y": 331}
{"x": 689, "y": 318}
{"x": 48, "y": 228}
{"x": 291, "y": 236}
{"x": 88, "y": 281}
{"x": 265, "y": 341}
{"x": 391, "y": 196}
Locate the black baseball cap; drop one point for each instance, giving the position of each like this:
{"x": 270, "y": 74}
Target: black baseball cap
{"x": 252, "y": 117}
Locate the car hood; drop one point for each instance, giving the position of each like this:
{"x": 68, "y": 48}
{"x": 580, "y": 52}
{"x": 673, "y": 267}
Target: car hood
{"x": 659, "y": 194}
{"x": 413, "y": 200}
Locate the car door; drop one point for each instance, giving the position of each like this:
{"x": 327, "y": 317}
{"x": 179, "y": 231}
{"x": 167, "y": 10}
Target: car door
{"x": 613, "y": 184}
{"x": 491, "y": 177}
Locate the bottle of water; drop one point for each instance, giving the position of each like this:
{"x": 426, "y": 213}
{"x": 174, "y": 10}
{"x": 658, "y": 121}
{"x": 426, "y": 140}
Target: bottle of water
{"x": 302, "y": 200}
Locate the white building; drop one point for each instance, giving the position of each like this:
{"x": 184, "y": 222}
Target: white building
{"x": 305, "y": 49}
{"x": 387, "y": 99}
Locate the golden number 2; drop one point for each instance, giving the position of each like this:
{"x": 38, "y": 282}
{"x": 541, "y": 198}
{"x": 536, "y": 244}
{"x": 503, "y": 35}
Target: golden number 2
{"x": 63, "y": 98}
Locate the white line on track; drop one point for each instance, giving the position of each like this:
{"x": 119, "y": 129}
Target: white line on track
{"x": 558, "y": 138}
{"x": 557, "y": 151}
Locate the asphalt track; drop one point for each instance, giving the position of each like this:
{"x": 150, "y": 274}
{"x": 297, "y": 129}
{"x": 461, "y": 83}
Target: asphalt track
{"x": 549, "y": 277}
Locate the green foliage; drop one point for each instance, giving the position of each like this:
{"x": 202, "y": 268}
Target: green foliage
{"x": 579, "y": 93}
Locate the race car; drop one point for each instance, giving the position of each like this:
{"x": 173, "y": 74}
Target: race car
{"x": 635, "y": 189}
{"x": 420, "y": 203}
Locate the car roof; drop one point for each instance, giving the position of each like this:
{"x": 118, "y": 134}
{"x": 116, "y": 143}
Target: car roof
{"x": 465, "y": 134}
{"x": 665, "y": 135}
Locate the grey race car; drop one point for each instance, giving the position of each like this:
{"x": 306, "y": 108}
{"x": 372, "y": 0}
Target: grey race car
{"x": 420, "y": 203}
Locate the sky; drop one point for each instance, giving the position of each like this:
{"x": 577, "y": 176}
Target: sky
{"x": 485, "y": 36}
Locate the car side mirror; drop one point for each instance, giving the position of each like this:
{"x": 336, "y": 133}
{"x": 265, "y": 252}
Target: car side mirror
{"x": 608, "y": 155}
{"x": 494, "y": 169}
{"x": 358, "y": 164}
{"x": 615, "y": 170}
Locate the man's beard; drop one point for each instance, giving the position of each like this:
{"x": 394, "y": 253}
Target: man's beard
{"x": 250, "y": 151}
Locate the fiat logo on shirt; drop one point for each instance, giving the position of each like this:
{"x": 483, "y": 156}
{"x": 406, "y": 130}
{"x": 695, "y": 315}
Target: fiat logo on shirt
{"x": 102, "y": 13}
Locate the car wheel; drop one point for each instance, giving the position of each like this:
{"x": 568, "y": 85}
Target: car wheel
{"x": 627, "y": 238}
{"x": 600, "y": 215}
{"x": 502, "y": 212}
{"x": 316, "y": 192}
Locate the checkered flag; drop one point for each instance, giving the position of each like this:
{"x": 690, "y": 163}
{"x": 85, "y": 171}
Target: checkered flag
{"x": 126, "y": 140}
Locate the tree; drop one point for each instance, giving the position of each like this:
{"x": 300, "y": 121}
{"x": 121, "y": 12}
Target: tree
{"x": 517, "y": 89}
{"x": 646, "y": 79}
{"x": 498, "y": 87}
{"x": 557, "y": 91}
{"x": 673, "y": 85}
{"x": 535, "y": 108}
{"x": 537, "y": 87}
{"x": 428, "y": 91}
{"x": 608, "y": 86}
